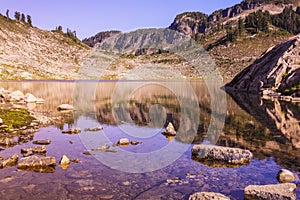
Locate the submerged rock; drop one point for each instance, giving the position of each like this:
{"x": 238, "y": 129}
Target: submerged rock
{"x": 286, "y": 176}
{"x": 34, "y": 150}
{"x": 170, "y": 130}
{"x": 72, "y": 131}
{"x": 98, "y": 128}
{"x": 134, "y": 143}
{"x": 208, "y": 196}
{"x": 269, "y": 192}
{"x": 221, "y": 154}
{"x": 42, "y": 142}
{"x": 9, "y": 162}
{"x": 34, "y": 163}
{"x": 65, "y": 107}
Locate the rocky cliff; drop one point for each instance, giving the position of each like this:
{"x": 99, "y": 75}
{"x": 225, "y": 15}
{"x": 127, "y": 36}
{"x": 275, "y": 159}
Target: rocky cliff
{"x": 99, "y": 37}
{"x": 276, "y": 69}
{"x": 27, "y": 52}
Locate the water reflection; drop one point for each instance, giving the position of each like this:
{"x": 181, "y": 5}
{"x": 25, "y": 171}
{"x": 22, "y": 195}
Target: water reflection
{"x": 270, "y": 129}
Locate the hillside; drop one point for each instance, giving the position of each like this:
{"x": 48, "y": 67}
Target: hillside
{"x": 27, "y": 52}
{"x": 231, "y": 36}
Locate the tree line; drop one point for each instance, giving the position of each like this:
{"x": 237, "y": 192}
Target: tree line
{"x": 260, "y": 21}
{"x": 20, "y": 17}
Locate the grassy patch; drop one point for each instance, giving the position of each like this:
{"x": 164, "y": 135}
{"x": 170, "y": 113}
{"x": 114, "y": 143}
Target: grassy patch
{"x": 16, "y": 118}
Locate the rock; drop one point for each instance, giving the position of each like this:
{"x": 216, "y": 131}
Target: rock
{"x": 286, "y": 176}
{"x": 1, "y": 121}
{"x": 40, "y": 101}
{"x": 208, "y": 196}
{"x": 277, "y": 69}
{"x": 124, "y": 141}
{"x": 221, "y": 154}
{"x": 34, "y": 163}
{"x": 269, "y": 192}
{"x": 134, "y": 143}
{"x": 98, "y": 128}
{"x": 29, "y": 98}
{"x": 105, "y": 148}
{"x": 9, "y": 162}
{"x": 72, "y": 131}
{"x": 87, "y": 153}
{"x": 42, "y": 142}
{"x": 8, "y": 142}
{"x": 170, "y": 130}
{"x": 16, "y": 96}
{"x": 64, "y": 162}
{"x": 34, "y": 150}
{"x": 65, "y": 107}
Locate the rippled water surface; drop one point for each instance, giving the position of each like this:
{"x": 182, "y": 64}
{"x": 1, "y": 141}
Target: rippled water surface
{"x": 163, "y": 167}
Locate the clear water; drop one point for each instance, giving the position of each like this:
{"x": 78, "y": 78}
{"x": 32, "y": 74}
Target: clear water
{"x": 270, "y": 129}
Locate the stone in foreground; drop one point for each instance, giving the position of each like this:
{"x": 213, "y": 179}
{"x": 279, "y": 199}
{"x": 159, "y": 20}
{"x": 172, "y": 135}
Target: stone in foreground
{"x": 72, "y": 131}
{"x": 42, "y": 142}
{"x": 285, "y": 191}
{"x": 65, "y": 107}
{"x": 170, "y": 130}
{"x": 34, "y": 150}
{"x": 208, "y": 196}
{"x": 9, "y": 162}
{"x": 228, "y": 155}
{"x": 34, "y": 163}
{"x": 286, "y": 176}
{"x": 64, "y": 162}
{"x": 124, "y": 141}
{"x": 95, "y": 129}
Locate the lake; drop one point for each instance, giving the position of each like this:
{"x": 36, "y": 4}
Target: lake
{"x": 160, "y": 167}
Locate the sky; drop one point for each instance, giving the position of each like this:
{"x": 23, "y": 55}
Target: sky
{"x": 89, "y": 17}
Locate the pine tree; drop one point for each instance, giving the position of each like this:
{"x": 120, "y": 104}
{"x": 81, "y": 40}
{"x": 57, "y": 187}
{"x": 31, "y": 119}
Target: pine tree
{"x": 7, "y": 14}
{"x": 29, "y": 21}
{"x": 23, "y": 17}
{"x": 17, "y": 16}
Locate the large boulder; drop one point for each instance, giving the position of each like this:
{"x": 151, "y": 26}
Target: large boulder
{"x": 34, "y": 163}
{"x": 278, "y": 68}
{"x": 16, "y": 96}
{"x": 235, "y": 156}
{"x": 286, "y": 191}
{"x": 208, "y": 196}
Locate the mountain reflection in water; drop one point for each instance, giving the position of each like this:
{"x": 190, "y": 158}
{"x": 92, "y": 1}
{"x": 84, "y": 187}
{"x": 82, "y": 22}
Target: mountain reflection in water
{"x": 269, "y": 129}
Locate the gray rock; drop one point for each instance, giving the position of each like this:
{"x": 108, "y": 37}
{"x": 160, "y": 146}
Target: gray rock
{"x": 29, "y": 98}
{"x": 124, "y": 141}
{"x": 16, "y": 96}
{"x": 208, "y": 196}
{"x": 276, "y": 69}
{"x": 8, "y": 142}
{"x": 170, "y": 130}
{"x": 65, "y": 107}
{"x": 286, "y": 176}
{"x": 34, "y": 163}
{"x": 72, "y": 131}
{"x": 42, "y": 142}
{"x": 98, "y": 128}
{"x": 9, "y": 162}
{"x": 285, "y": 191}
{"x": 221, "y": 154}
{"x": 34, "y": 150}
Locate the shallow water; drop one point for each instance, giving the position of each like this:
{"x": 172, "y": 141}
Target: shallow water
{"x": 270, "y": 129}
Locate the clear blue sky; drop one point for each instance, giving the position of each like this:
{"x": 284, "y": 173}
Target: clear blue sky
{"x": 89, "y": 17}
